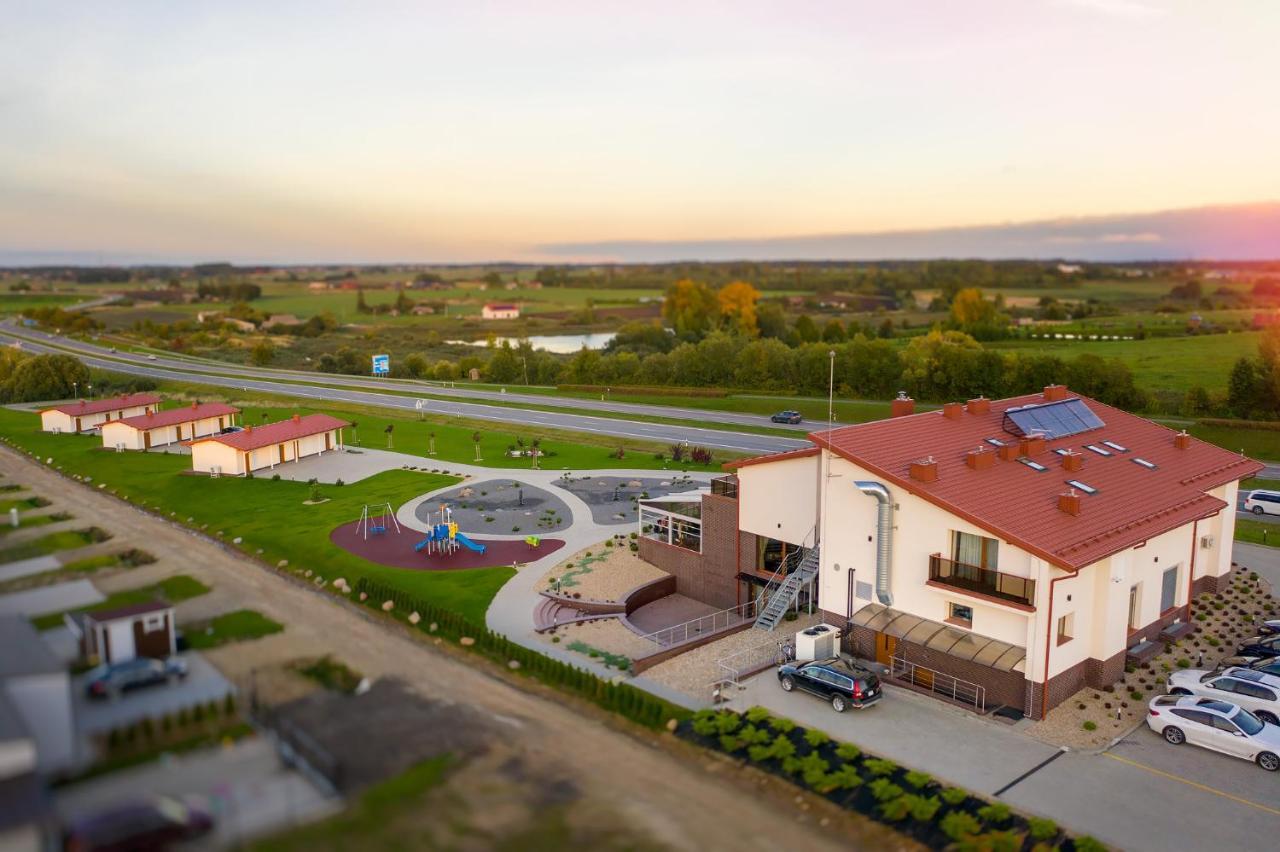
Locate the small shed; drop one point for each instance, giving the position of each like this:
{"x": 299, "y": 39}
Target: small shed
{"x": 122, "y": 634}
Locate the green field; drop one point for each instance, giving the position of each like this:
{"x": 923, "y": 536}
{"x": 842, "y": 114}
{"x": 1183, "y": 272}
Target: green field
{"x": 239, "y": 626}
{"x": 16, "y": 303}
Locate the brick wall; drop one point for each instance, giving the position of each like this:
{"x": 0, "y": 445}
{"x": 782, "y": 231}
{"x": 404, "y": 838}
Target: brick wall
{"x": 1208, "y": 585}
{"x": 712, "y": 576}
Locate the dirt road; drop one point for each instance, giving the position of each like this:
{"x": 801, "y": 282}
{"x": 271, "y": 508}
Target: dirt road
{"x": 663, "y": 791}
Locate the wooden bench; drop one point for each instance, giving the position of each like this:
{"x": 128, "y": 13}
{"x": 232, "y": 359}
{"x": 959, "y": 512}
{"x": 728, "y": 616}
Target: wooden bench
{"x": 1176, "y": 631}
{"x": 1143, "y": 652}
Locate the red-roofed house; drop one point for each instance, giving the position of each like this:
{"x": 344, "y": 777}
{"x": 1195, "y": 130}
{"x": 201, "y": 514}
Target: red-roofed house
{"x": 500, "y": 311}
{"x": 160, "y": 428}
{"x": 257, "y": 447}
{"x": 85, "y": 414}
{"x": 1021, "y": 547}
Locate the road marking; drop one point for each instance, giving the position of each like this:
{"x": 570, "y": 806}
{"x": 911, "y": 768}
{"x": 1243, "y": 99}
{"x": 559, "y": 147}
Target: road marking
{"x": 1206, "y": 788}
{"x": 1032, "y": 771}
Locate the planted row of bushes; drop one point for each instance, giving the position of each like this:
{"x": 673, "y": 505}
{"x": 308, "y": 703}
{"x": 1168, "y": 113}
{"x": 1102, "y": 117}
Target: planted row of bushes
{"x": 911, "y": 802}
{"x": 622, "y": 698}
{"x": 147, "y": 733}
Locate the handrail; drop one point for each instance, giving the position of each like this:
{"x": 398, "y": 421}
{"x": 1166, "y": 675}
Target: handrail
{"x": 983, "y": 580}
{"x": 695, "y": 627}
{"x": 940, "y": 683}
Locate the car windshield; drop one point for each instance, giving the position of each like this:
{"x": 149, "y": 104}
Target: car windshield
{"x": 1208, "y": 676}
{"x": 1248, "y": 722}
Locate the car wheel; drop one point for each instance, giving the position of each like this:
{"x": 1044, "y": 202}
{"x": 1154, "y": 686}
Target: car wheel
{"x": 838, "y": 703}
{"x": 1268, "y": 761}
{"x": 1174, "y": 736}
{"x": 788, "y": 683}
{"x": 1178, "y": 690}
{"x": 1267, "y": 716}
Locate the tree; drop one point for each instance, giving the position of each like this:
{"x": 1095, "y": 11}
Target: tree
{"x": 771, "y": 320}
{"x": 415, "y": 366}
{"x": 690, "y": 308}
{"x": 833, "y": 331}
{"x": 362, "y": 307}
{"x": 737, "y": 304}
{"x": 969, "y": 309}
{"x": 403, "y": 303}
{"x": 806, "y": 329}
{"x": 503, "y": 365}
{"x": 43, "y": 377}
{"x": 1246, "y": 389}
{"x": 262, "y": 354}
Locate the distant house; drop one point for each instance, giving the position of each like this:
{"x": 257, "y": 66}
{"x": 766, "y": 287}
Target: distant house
{"x": 316, "y": 286}
{"x": 160, "y": 428}
{"x": 511, "y": 285}
{"x": 207, "y": 316}
{"x": 238, "y": 453}
{"x": 1264, "y": 319}
{"x": 125, "y": 633}
{"x": 1069, "y": 268}
{"x": 500, "y": 311}
{"x": 239, "y": 324}
{"x": 423, "y": 310}
{"x": 282, "y": 319}
{"x": 83, "y": 415}
{"x": 1194, "y": 322}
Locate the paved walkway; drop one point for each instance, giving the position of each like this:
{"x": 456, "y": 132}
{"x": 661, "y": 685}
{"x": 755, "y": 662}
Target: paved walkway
{"x": 27, "y": 567}
{"x": 57, "y": 598}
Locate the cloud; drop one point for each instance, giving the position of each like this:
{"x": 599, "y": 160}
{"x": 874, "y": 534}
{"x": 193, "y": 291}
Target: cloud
{"x": 1117, "y": 8}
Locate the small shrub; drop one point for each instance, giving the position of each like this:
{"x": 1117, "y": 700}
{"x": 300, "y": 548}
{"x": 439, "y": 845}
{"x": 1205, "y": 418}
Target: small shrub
{"x": 1090, "y": 725}
{"x": 783, "y": 725}
{"x": 1136, "y": 695}
{"x": 727, "y": 723}
{"x": 917, "y": 779}
{"x": 884, "y": 789}
{"x": 1041, "y": 828}
{"x": 757, "y": 714}
{"x": 816, "y": 738}
{"x": 958, "y": 825}
{"x": 954, "y": 796}
{"x": 996, "y": 813}
{"x": 896, "y": 810}
{"x": 879, "y": 767}
{"x": 923, "y": 809}
{"x": 1183, "y": 663}
{"x": 848, "y": 751}
{"x": 731, "y": 744}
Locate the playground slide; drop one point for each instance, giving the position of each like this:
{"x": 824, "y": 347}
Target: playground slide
{"x": 417, "y": 548}
{"x": 468, "y": 543}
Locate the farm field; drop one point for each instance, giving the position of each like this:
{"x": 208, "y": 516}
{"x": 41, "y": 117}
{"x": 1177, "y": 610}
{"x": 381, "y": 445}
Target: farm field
{"x": 16, "y": 303}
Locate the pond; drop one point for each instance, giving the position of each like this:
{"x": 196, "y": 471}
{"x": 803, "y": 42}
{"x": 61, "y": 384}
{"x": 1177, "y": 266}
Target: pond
{"x": 560, "y": 344}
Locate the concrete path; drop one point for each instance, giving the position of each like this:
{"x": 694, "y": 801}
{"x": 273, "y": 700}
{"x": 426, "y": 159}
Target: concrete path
{"x": 202, "y": 684}
{"x": 62, "y": 596}
{"x": 1255, "y": 557}
{"x": 27, "y": 567}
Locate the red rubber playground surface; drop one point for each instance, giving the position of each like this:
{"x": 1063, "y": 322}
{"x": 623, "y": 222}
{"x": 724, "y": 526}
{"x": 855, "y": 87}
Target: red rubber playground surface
{"x": 396, "y": 549}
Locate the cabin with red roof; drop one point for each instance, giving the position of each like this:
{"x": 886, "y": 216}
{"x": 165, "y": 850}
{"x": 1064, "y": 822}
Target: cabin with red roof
{"x": 171, "y": 426}
{"x": 500, "y": 311}
{"x": 263, "y": 447}
{"x": 83, "y": 415}
{"x": 1014, "y": 551}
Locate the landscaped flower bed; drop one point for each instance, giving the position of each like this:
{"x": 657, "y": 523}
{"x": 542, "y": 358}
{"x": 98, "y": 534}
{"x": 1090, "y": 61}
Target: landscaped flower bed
{"x": 911, "y": 802}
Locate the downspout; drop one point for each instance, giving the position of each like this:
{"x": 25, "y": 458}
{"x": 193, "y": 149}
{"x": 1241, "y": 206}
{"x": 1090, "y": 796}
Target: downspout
{"x": 884, "y": 536}
{"x": 1191, "y": 571}
{"x": 1048, "y": 634}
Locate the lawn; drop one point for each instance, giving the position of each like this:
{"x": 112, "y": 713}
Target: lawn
{"x": 1258, "y": 532}
{"x": 175, "y": 589}
{"x": 239, "y": 626}
{"x": 1261, "y": 444}
{"x": 267, "y": 514}
{"x": 52, "y": 543}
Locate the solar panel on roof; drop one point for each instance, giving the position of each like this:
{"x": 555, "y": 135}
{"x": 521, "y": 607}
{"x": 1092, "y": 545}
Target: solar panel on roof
{"x": 1052, "y": 419}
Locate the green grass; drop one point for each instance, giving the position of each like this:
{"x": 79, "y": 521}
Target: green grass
{"x": 52, "y": 543}
{"x": 1257, "y": 482}
{"x": 175, "y": 589}
{"x": 1256, "y": 443}
{"x": 22, "y": 504}
{"x": 1258, "y": 532}
{"x": 239, "y": 626}
{"x": 268, "y": 514}
{"x": 331, "y": 674}
{"x": 233, "y": 730}
{"x": 28, "y": 521}
{"x": 15, "y": 303}
{"x": 372, "y": 821}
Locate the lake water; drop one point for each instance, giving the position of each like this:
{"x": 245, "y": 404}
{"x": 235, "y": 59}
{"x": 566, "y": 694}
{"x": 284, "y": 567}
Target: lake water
{"x": 561, "y": 344}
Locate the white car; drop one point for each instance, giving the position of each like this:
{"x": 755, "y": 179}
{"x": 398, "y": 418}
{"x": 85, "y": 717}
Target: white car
{"x": 1263, "y": 502}
{"x": 1217, "y": 725}
{"x": 1255, "y": 691}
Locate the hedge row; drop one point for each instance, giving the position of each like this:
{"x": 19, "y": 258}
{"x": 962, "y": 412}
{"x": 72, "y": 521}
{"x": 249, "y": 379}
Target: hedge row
{"x": 910, "y": 802}
{"x": 622, "y": 698}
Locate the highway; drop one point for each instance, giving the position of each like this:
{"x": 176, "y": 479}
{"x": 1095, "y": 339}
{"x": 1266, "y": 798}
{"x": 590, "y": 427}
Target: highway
{"x": 200, "y": 366}
{"x": 172, "y": 369}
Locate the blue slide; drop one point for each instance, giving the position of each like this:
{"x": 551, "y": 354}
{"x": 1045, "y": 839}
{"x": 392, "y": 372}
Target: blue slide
{"x": 468, "y": 543}
{"x": 418, "y": 547}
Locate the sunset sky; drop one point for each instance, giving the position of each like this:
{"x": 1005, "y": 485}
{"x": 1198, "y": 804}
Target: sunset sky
{"x": 430, "y": 131}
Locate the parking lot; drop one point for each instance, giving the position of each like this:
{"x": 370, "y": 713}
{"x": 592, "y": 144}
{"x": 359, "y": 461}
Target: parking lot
{"x": 1140, "y": 794}
{"x": 202, "y": 684}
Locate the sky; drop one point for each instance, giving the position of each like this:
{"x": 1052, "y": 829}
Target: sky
{"x": 552, "y": 131}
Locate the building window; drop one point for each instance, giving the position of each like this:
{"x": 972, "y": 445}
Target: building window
{"x": 960, "y": 614}
{"x": 1066, "y": 627}
{"x": 970, "y": 549}
{"x": 1133, "y": 606}
{"x": 1168, "y": 589}
{"x": 152, "y": 623}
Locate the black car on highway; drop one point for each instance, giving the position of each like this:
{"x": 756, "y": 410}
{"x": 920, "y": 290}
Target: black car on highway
{"x": 842, "y": 684}
{"x": 787, "y": 416}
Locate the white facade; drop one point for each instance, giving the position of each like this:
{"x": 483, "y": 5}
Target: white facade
{"x": 118, "y": 434}
{"x": 53, "y": 420}
{"x": 213, "y": 456}
{"x": 500, "y": 312}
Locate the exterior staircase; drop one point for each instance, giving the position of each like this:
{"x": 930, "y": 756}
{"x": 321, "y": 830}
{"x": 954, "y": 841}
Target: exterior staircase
{"x": 551, "y": 613}
{"x": 781, "y": 600}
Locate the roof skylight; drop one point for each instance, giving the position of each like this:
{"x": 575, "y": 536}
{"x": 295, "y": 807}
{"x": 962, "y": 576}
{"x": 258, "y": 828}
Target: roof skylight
{"x": 1113, "y": 445}
{"x": 1034, "y": 465}
{"x": 995, "y": 442}
{"x": 1095, "y": 448}
{"x": 1147, "y": 464}
{"x": 1080, "y": 486}
{"x": 1063, "y": 451}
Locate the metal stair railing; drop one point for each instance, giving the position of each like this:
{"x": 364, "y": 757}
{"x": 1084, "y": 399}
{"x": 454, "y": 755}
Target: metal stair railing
{"x": 781, "y": 600}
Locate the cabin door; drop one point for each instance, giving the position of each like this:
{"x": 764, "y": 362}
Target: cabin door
{"x": 886, "y": 647}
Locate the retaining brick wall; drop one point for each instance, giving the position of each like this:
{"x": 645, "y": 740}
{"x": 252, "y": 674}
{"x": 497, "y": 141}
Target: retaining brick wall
{"x": 711, "y": 576}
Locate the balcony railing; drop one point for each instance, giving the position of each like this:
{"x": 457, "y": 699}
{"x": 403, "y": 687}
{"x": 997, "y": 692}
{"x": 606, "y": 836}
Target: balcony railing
{"x": 983, "y": 581}
{"x": 725, "y": 486}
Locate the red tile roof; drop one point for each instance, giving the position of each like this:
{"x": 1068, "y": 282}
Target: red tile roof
{"x": 1132, "y": 503}
{"x": 254, "y": 437}
{"x": 788, "y": 454}
{"x": 173, "y": 416}
{"x": 104, "y": 615}
{"x": 97, "y": 406}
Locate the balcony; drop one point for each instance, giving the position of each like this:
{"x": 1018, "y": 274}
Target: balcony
{"x": 996, "y": 586}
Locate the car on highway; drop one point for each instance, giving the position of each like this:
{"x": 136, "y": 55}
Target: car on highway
{"x": 787, "y": 416}
{"x": 116, "y": 678}
{"x": 1255, "y": 691}
{"x": 151, "y": 357}
{"x": 835, "y": 680}
{"x": 1218, "y": 725}
{"x": 1260, "y": 646}
{"x": 1263, "y": 502}
{"x": 155, "y": 824}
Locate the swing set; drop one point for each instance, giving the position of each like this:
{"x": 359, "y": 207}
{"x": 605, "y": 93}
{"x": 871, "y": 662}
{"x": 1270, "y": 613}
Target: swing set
{"x": 375, "y": 522}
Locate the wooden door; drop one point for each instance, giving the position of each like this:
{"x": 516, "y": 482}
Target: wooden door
{"x": 146, "y": 440}
{"x": 281, "y": 449}
{"x": 77, "y": 424}
{"x": 886, "y": 647}
{"x": 328, "y": 440}
{"x": 923, "y": 677}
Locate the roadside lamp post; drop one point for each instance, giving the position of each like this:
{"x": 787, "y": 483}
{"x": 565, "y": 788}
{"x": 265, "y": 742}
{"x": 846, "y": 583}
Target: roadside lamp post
{"x": 75, "y": 389}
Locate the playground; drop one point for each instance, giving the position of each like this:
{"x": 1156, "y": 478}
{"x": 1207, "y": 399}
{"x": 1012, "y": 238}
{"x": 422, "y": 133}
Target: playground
{"x": 500, "y": 507}
{"x": 612, "y": 499}
{"x": 395, "y": 548}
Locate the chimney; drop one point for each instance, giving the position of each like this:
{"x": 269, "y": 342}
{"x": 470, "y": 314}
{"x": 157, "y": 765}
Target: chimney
{"x": 925, "y": 470}
{"x": 980, "y": 459}
{"x": 981, "y": 405}
{"x": 902, "y": 406}
{"x": 1053, "y": 393}
{"x": 297, "y": 418}
{"x": 1009, "y": 452}
{"x": 1182, "y": 440}
{"x": 953, "y": 411}
{"x": 1073, "y": 461}
{"x": 1033, "y": 445}
{"x": 1069, "y": 502}
{"x": 194, "y": 406}
{"x": 248, "y": 427}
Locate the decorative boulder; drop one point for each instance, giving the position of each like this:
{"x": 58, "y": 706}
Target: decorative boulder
{"x": 387, "y": 606}
{"x": 414, "y": 618}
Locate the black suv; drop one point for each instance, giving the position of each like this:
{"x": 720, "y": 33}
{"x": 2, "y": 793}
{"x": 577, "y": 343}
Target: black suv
{"x": 787, "y": 416}
{"x": 842, "y": 684}
{"x": 1260, "y": 646}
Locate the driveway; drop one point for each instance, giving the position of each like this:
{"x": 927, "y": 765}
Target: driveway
{"x": 54, "y": 598}
{"x": 244, "y": 786}
{"x": 1139, "y": 795}
{"x": 202, "y": 684}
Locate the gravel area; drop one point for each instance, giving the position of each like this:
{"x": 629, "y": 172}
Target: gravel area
{"x": 607, "y": 634}
{"x": 694, "y": 671}
{"x": 500, "y": 507}
{"x": 613, "y": 498}
{"x": 606, "y": 575}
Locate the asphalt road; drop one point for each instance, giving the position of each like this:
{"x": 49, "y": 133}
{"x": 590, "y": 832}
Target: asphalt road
{"x": 177, "y": 370}
{"x": 200, "y": 366}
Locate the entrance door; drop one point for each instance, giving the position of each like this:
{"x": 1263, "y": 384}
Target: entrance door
{"x": 146, "y": 440}
{"x": 886, "y": 647}
{"x": 77, "y": 424}
{"x": 328, "y": 440}
{"x": 281, "y": 449}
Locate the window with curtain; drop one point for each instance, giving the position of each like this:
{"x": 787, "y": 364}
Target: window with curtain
{"x": 970, "y": 549}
